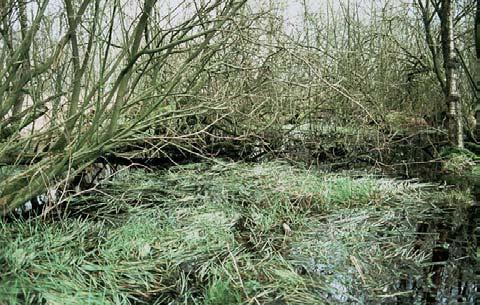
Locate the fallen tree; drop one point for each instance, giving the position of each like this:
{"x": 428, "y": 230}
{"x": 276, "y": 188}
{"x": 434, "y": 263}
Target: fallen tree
{"x": 91, "y": 95}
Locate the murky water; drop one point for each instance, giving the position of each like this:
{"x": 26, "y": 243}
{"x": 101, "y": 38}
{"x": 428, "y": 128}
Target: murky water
{"x": 451, "y": 277}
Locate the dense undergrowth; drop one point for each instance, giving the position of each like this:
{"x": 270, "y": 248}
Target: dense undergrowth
{"x": 225, "y": 233}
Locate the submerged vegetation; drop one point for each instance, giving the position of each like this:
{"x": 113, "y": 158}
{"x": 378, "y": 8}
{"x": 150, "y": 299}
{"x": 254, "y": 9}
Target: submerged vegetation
{"x": 226, "y": 233}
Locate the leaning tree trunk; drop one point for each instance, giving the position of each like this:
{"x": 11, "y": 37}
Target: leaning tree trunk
{"x": 451, "y": 63}
{"x": 25, "y": 59}
{"x": 110, "y": 128}
{"x": 477, "y": 69}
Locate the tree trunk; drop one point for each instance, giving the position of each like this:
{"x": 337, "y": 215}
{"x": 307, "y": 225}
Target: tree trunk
{"x": 25, "y": 69}
{"x": 451, "y": 64}
{"x": 477, "y": 70}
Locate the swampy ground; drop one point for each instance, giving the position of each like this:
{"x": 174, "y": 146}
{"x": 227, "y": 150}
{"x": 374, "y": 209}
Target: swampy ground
{"x": 312, "y": 143}
{"x": 221, "y": 232}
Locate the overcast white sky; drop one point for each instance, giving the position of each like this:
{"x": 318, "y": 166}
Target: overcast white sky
{"x": 292, "y": 10}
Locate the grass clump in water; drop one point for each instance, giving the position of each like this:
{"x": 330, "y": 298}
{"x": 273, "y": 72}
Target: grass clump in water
{"x": 220, "y": 292}
{"x": 228, "y": 233}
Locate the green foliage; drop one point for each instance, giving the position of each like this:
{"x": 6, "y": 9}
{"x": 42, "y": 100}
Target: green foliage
{"x": 455, "y": 151}
{"x": 348, "y": 192}
{"x": 220, "y": 292}
{"x": 461, "y": 166}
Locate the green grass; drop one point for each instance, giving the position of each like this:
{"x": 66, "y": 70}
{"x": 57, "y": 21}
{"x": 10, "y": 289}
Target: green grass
{"x": 461, "y": 167}
{"x": 220, "y": 292}
{"x": 214, "y": 234}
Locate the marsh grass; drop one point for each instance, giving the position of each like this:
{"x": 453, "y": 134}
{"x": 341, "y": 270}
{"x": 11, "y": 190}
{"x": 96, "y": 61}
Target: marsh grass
{"x": 213, "y": 233}
{"x": 461, "y": 167}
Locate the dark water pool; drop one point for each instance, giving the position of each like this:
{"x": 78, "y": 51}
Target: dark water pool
{"x": 452, "y": 276}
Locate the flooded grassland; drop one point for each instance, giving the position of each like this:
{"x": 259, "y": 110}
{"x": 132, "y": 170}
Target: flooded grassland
{"x": 237, "y": 233}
